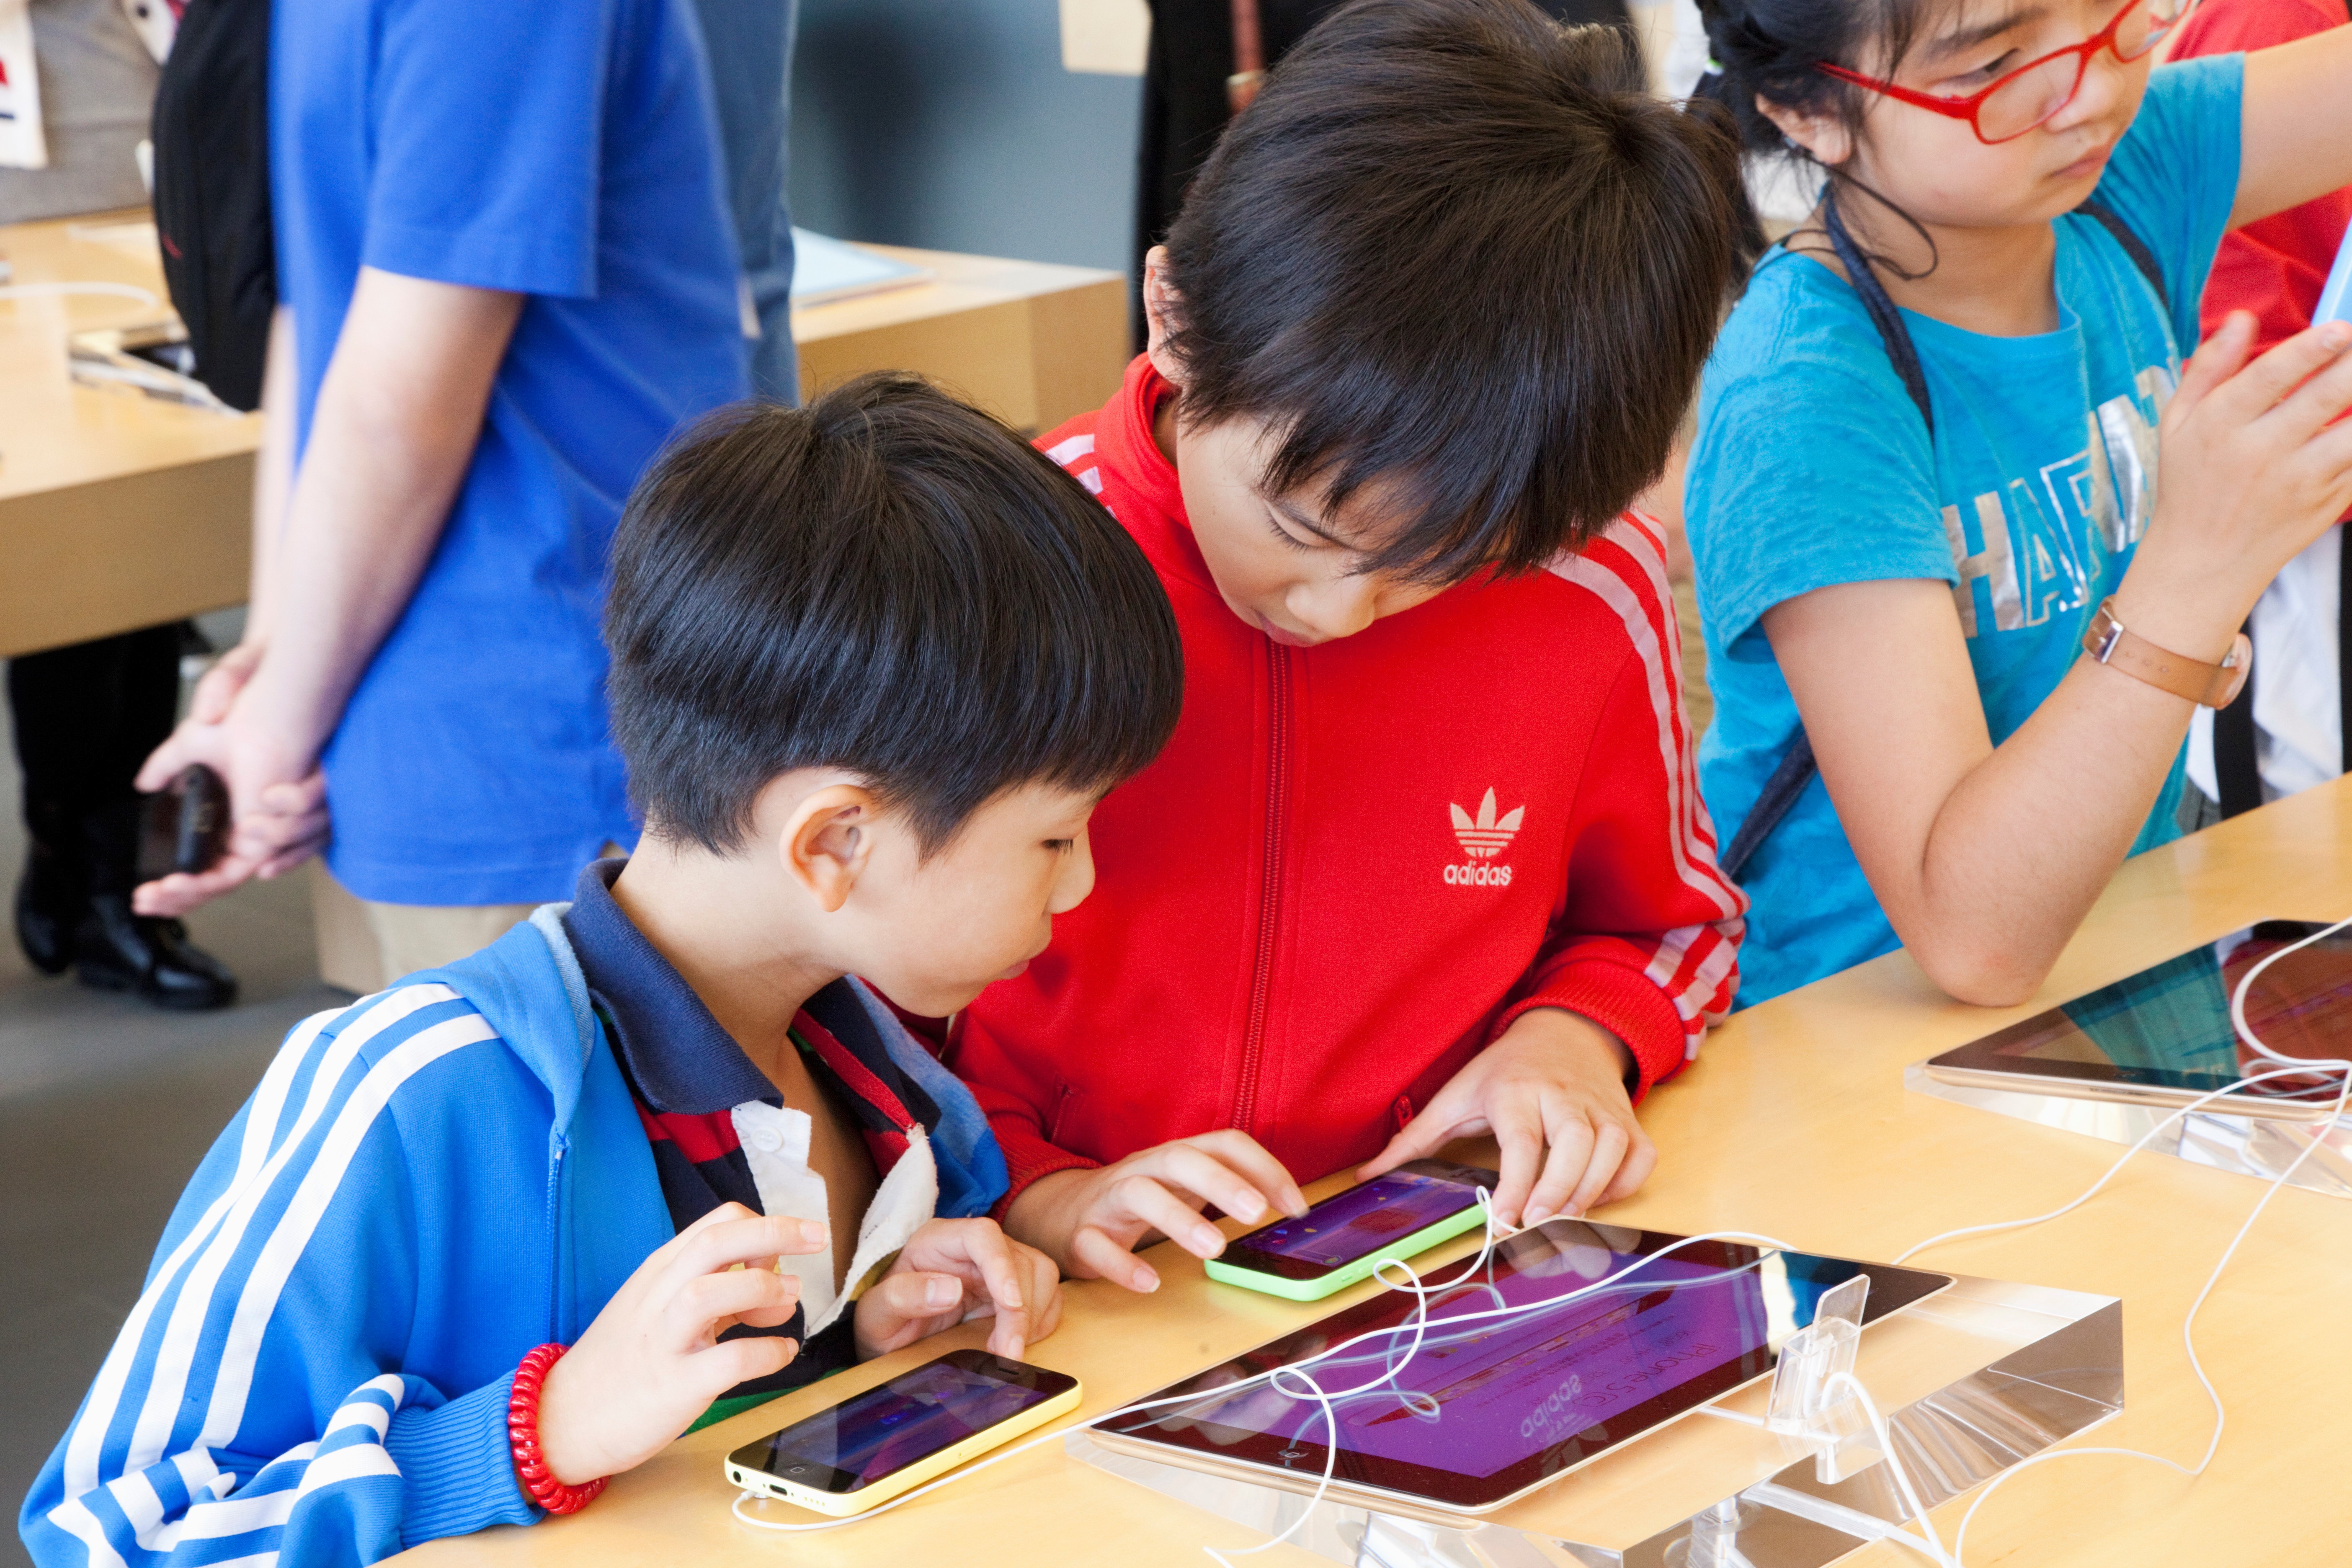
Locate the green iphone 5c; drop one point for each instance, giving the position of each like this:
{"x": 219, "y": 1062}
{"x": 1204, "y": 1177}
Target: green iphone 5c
{"x": 1347, "y": 1235}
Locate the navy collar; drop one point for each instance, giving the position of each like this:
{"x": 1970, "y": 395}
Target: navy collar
{"x": 677, "y": 1054}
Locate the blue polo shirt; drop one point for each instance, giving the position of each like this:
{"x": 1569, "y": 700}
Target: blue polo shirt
{"x": 567, "y": 152}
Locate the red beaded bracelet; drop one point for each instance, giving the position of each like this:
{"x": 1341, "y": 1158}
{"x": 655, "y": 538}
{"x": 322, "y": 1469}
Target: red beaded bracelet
{"x": 523, "y": 1437}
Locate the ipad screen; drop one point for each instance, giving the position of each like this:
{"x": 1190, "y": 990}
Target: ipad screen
{"x": 1487, "y": 1401}
{"x": 2168, "y": 1026}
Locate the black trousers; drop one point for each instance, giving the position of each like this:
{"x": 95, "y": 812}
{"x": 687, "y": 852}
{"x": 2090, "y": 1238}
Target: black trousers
{"x": 1185, "y": 107}
{"x": 86, "y": 717}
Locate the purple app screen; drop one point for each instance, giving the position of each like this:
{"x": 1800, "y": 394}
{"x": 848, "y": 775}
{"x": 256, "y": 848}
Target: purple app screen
{"x": 906, "y": 1419}
{"x": 1484, "y": 1394}
{"x": 1361, "y": 1220}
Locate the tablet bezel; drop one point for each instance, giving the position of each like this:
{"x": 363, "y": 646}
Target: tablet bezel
{"x": 1300, "y": 1459}
{"x": 1980, "y": 1064}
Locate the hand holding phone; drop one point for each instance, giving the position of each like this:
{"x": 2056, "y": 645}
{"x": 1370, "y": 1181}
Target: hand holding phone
{"x": 183, "y": 827}
{"x": 1090, "y": 1221}
{"x": 653, "y": 1361}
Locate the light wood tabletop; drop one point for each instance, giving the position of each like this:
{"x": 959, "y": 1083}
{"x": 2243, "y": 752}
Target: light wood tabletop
{"x": 1794, "y": 1122}
{"x": 119, "y": 510}
{"x": 1031, "y": 341}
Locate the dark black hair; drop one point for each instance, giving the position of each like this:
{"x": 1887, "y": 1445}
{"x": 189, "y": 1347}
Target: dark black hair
{"x": 1455, "y": 247}
{"x": 1775, "y": 48}
{"x": 888, "y": 581}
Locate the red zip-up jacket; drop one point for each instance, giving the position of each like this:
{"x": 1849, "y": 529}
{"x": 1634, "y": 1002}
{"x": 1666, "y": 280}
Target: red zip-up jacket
{"x": 1355, "y": 863}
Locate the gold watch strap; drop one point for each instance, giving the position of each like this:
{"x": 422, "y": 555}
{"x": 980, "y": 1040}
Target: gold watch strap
{"x": 2208, "y": 685}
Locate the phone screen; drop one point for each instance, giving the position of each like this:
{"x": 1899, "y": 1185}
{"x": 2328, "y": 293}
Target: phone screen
{"x": 1361, "y": 1220}
{"x": 888, "y": 1427}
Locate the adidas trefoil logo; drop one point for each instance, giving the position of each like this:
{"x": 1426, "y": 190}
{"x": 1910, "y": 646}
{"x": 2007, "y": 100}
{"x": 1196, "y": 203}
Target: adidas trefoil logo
{"x": 1485, "y": 838}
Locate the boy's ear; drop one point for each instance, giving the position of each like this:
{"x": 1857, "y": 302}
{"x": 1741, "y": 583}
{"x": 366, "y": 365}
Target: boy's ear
{"x": 1824, "y": 136}
{"x": 826, "y": 842}
{"x": 1163, "y": 312}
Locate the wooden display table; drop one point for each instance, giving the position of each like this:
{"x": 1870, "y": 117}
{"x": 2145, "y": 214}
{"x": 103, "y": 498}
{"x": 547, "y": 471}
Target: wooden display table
{"x": 1031, "y": 343}
{"x": 1794, "y": 1122}
{"x": 119, "y": 510}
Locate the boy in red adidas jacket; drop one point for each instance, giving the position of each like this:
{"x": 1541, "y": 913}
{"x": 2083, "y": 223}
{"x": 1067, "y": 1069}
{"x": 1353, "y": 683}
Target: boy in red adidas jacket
{"x": 1426, "y": 857}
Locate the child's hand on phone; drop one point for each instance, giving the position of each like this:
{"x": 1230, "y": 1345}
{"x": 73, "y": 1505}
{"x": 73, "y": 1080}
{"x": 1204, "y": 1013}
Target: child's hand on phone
{"x": 1552, "y": 1089}
{"x": 652, "y": 1360}
{"x": 1090, "y": 1222}
{"x": 952, "y": 1270}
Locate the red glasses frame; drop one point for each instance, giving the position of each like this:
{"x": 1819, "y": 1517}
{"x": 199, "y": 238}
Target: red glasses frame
{"x": 1969, "y": 108}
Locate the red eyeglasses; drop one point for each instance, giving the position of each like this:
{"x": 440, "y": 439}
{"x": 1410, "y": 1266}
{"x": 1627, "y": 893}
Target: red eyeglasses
{"x": 2020, "y": 100}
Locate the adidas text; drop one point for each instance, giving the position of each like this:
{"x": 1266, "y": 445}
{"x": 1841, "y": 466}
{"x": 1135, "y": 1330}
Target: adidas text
{"x": 1474, "y": 875}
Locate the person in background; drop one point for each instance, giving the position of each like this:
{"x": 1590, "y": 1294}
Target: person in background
{"x": 749, "y": 43}
{"x": 85, "y": 715}
{"x": 507, "y": 275}
{"x": 2285, "y": 732}
{"x": 1203, "y": 63}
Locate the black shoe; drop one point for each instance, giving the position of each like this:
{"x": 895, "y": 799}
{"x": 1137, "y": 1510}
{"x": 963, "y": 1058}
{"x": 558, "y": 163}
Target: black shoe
{"x": 115, "y": 950}
{"x": 46, "y": 907}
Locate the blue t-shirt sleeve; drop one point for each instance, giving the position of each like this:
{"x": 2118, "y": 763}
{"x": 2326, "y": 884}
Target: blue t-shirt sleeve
{"x": 2174, "y": 177}
{"x": 489, "y": 126}
{"x": 1812, "y": 467}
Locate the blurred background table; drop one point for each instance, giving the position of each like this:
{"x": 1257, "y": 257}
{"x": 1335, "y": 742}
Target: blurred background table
{"x": 119, "y": 510}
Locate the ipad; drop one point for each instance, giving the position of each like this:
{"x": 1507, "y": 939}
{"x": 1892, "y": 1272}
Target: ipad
{"x": 1489, "y": 1408}
{"x": 2163, "y": 1037}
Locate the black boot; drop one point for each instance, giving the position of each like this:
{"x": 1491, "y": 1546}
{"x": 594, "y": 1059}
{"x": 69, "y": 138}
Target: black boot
{"x": 48, "y": 902}
{"x": 117, "y": 950}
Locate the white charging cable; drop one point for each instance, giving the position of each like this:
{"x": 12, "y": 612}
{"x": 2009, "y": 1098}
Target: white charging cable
{"x": 2301, "y": 1067}
{"x": 1931, "y": 1546}
{"x": 1416, "y": 1325}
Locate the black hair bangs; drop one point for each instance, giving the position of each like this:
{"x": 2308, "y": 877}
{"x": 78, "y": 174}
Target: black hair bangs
{"x": 888, "y": 583}
{"x": 1456, "y": 257}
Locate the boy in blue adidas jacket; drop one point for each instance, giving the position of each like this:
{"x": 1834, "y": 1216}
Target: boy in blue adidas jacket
{"x": 873, "y": 665}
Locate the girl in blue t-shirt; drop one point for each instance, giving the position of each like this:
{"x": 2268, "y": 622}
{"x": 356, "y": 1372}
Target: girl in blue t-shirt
{"x": 1928, "y": 455}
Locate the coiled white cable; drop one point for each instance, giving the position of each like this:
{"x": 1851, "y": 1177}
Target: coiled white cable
{"x": 2302, "y": 1067}
{"x": 1931, "y": 1546}
{"x": 1416, "y": 1324}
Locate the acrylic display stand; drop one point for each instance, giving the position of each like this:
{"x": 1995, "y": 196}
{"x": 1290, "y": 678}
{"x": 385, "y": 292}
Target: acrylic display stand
{"x": 1971, "y": 1381}
{"x": 2259, "y": 1146}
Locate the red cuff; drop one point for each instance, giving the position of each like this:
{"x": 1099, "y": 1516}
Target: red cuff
{"x": 1027, "y": 1157}
{"x": 1626, "y": 1002}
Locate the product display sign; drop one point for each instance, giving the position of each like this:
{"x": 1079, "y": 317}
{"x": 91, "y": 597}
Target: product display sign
{"x": 22, "y": 145}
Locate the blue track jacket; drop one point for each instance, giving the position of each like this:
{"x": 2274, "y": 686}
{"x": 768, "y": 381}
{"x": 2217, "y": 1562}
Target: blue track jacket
{"x": 425, "y": 1185}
